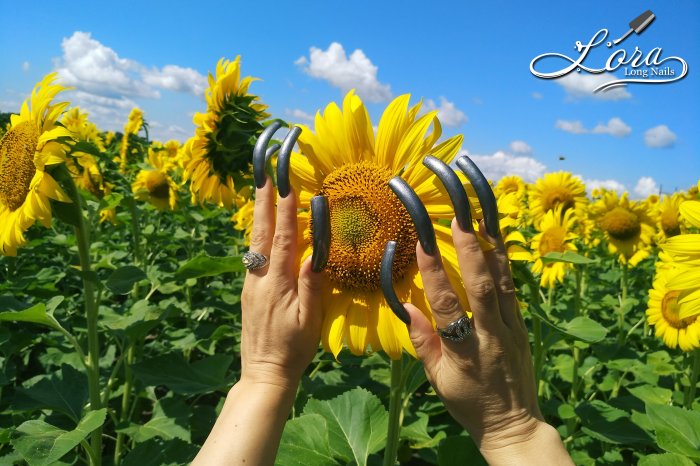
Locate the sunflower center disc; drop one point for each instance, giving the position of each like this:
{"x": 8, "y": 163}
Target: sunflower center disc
{"x": 670, "y": 309}
{"x": 558, "y": 196}
{"x": 17, "y": 164}
{"x": 364, "y": 215}
{"x": 670, "y": 223}
{"x": 157, "y": 185}
{"x": 621, "y": 224}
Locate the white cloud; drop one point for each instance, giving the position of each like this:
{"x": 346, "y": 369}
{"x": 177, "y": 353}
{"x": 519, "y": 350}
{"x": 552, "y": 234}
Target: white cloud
{"x": 176, "y": 78}
{"x": 25, "y": 66}
{"x": 581, "y": 85}
{"x": 160, "y": 132}
{"x": 345, "y": 73}
{"x": 575, "y": 127}
{"x": 300, "y": 115}
{"x": 448, "y": 113}
{"x": 612, "y": 185}
{"x": 107, "y": 85}
{"x": 521, "y": 147}
{"x": 537, "y": 96}
{"x": 501, "y": 164}
{"x": 614, "y": 127}
{"x": 92, "y": 67}
{"x": 659, "y": 137}
{"x": 646, "y": 186}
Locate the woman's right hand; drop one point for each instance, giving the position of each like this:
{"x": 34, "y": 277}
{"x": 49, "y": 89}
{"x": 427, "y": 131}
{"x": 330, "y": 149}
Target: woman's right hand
{"x": 487, "y": 380}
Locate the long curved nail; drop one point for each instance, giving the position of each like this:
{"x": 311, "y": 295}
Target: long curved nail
{"x": 387, "y": 283}
{"x": 283, "y": 161}
{"x": 321, "y": 221}
{"x": 260, "y": 153}
{"x": 454, "y": 188}
{"x": 484, "y": 192}
{"x": 418, "y": 213}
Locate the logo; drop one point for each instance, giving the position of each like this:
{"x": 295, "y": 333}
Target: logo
{"x": 637, "y": 66}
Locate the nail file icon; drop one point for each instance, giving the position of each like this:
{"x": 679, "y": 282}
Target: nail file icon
{"x": 638, "y": 24}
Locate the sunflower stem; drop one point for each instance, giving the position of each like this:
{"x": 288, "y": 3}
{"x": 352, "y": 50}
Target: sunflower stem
{"x": 576, "y": 351}
{"x": 126, "y": 398}
{"x": 694, "y": 372}
{"x": 395, "y": 412}
{"x": 92, "y": 365}
{"x": 623, "y": 301}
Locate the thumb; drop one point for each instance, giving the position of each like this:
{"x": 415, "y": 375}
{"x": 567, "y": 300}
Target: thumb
{"x": 425, "y": 341}
{"x": 309, "y": 292}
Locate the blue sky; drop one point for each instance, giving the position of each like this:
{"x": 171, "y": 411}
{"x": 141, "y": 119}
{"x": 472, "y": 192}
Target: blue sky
{"x": 470, "y": 61}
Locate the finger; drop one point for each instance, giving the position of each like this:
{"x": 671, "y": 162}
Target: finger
{"x": 284, "y": 244}
{"x": 309, "y": 289}
{"x": 321, "y": 226}
{"x": 425, "y": 341}
{"x": 484, "y": 192}
{"x": 499, "y": 266}
{"x": 283, "y": 161}
{"x": 387, "y": 283}
{"x": 443, "y": 300}
{"x": 260, "y": 153}
{"x": 263, "y": 224}
{"x": 455, "y": 190}
{"x": 417, "y": 211}
{"x": 478, "y": 282}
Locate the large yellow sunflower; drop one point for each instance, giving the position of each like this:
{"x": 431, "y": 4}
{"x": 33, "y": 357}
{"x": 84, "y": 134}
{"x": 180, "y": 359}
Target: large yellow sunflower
{"x": 155, "y": 185}
{"x": 627, "y": 226}
{"x": 672, "y": 323}
{"x": 556, "y": 189}
{"x": 33, "y": 142}
{"x": 344, "y": 161}
{"x": 556, "y": 234}
{"x": 220, "y": 153}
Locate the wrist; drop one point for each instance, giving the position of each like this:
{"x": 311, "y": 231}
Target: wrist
{"x": 522, "y": 442}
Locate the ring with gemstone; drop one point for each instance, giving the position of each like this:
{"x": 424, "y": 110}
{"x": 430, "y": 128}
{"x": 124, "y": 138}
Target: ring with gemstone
{"x": 457, "y": 330}
{"x": 254, "y": 260}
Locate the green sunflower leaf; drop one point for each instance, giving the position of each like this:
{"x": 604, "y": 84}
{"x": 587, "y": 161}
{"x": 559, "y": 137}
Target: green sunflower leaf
{"x": 42, "y": 444}
{"x": 665, "y": 459}
{"x": 40, "y": 313}
{"x": 208, "y": 266}
{"x": 569, "y": 257}
{"x": 183, "y": 377}
{"x": 677, "y": 429}
{"x": 357, "y": 424}
{"x": 122, "y": 280}
{"x": 305, "y": 443}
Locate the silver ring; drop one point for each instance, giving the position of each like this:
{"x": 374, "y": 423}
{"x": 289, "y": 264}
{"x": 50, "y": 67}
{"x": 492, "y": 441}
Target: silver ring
{"x": 457, "y": 330}
{"x": 254, "y": 260}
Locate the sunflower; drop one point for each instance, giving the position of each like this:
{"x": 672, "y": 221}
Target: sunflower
{"x": 665, "y": 312}
{"x": 82, "y": 166}
{"x": 220, "y": 153}
{"x": 556, "y": 234}
{"x": 243, "y": 219}
{"x": 155, "y": 185}
{"x": 684, "y": 254}
{"x": 556, "y": 189}
{"x": 132, "y": 126}
{"x": 34, "y": 142}
{"x": 511, "y": 184}
{"x": 511, "y": 209}
{"x": 344, "y": 161}
{"x": 627, "y": 226}
{"x": 669, "y": 216}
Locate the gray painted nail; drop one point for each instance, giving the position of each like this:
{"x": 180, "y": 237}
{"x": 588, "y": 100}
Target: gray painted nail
{"x": 321, "y": 220}
{"x": 283, "y": 161}
{"x": 454, "y": 188}
{"x": 484, "y": 192}
{"x": 260, "y": 153}
{"x": 387, "y": 283}
{"x": 417, "y": 211}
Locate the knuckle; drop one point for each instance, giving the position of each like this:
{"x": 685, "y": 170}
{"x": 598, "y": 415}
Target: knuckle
{"x": 472, "y": 246}
{"x": 506, "y": 286}
{"x": 282, "y": 240}
{"x": 482, "y": 288}
{"x": 445, "y": 301}
{"x": 258, "y": 236}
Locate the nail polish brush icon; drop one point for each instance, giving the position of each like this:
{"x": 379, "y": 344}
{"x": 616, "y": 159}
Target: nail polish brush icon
{"x": 638, "y": 24}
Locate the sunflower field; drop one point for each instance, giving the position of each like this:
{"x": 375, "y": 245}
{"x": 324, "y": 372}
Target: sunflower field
{"x": 121, "y": 276}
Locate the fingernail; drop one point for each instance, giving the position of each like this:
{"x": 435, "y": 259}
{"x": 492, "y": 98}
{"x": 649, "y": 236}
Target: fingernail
{"x": 283, "y": 161}
{"x": 485, "y": 194}
{"x": 260, "y": 153}
{"x": 418, "y": 213}
{"x": 320, "y": 221}
{"x": 453, "y": 185}
{"x": 387, "y": 283}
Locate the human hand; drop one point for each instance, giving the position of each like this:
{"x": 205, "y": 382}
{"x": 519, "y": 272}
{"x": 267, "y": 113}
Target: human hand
{"x": 486, "y": 380}
{"x": 281, "y": 312}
